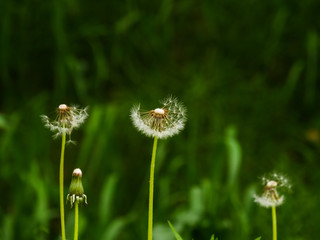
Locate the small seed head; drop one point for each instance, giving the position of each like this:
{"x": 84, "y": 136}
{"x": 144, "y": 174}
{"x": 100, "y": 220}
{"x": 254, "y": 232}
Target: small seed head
{"x": 67, "y": 119}
{"x": 270, "y": 196}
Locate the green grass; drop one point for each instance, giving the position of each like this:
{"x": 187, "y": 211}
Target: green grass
{"x": 178, "y": 237}
{"x": 245, "y": 70}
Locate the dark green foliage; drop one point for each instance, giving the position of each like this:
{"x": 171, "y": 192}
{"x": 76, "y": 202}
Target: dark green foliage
{"x": 247, "y": 71}
{"x": 178, "y": 237}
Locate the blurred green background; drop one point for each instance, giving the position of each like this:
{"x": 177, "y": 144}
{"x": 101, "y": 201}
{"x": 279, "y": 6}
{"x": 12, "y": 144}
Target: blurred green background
{"x": 247, "y": 71}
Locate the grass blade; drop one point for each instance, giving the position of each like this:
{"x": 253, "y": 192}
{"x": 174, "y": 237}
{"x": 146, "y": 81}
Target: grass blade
{"x": 178, "y": 237}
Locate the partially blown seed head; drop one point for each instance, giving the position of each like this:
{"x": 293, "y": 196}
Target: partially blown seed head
{"x": 270, "y": 196}
{"x": 67, "y": 119}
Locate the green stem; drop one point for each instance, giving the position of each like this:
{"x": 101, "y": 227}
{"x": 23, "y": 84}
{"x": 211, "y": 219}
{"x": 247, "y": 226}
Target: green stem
{"x": 63, "y": 231}
{"x": 274, "y": 223}
{"x": 76, "y": 220}
{"x": 153, "y": 161}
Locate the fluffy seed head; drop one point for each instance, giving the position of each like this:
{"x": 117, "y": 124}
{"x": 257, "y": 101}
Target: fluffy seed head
{"x": 160, "y": 122}
{"x": 67, "y": 119}
{"x": 270, "y": 196}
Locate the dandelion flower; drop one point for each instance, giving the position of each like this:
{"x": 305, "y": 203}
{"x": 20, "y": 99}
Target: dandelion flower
{"x": 270, "y": 197}
{"x": 67, "y": 119}
{"x": 162, "y": 122}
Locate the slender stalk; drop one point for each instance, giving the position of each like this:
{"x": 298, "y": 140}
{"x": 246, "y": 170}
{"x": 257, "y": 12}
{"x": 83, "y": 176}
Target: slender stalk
{"x": 153, "y": 161}
{"x": 76, "y": 220}
{"x": 274, "y": 223}
{"x": 63, "y": 231}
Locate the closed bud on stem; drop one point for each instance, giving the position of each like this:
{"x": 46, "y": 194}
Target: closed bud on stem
{"x": 76, "y": 192}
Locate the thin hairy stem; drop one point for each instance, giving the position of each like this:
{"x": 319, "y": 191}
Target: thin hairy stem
{"x": 274, "y": 223}
{"x": 76, "y": 220}
{"x": 153, "y": 161}
{"x": 63, "y": 231}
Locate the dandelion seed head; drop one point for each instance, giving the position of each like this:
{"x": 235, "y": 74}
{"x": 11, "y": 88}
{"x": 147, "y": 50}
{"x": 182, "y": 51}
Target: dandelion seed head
{"x": 160, "y": 122}
{"x": 270, "y": 196}
{"x": 67, "y": 119}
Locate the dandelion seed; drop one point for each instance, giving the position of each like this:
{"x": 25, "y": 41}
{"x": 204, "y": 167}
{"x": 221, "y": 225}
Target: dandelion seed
{"x": 160, "y": 122}
{"x": 270, "y": 197}
{"x": 67, "y": 119}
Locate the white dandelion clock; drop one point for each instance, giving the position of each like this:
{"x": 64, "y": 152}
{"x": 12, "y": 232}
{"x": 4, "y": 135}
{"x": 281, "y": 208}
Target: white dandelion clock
{"x": 162, "y": 122}
{"x": 67, "y": 119}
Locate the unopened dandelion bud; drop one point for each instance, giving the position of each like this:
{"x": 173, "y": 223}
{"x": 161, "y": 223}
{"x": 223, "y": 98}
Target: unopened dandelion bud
{"x": 77, "y": 173}
{"x": 76, "y": 192}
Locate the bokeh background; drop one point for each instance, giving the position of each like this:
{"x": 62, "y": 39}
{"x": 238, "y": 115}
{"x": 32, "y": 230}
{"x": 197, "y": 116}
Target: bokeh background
{"x": 247, "y": 71}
